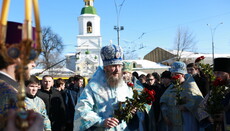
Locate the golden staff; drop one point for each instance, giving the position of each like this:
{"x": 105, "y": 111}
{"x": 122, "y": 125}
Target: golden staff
{"x": 4, "y": 14}
{"x": 29, "y": 50}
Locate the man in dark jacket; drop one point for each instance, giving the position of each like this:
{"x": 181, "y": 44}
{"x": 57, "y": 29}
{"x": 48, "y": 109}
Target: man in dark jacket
{"x": 71, "y": 97}
{"x": 200, "y": 79}
{"x": 54, "y": 103}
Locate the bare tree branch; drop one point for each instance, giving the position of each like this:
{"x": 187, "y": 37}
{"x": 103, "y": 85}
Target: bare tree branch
{"x": 184, "y": 41}
{"x": 51, "y": 49}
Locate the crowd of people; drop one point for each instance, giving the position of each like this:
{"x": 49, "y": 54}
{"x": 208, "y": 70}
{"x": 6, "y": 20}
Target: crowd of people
{"x": 71, "y": 105}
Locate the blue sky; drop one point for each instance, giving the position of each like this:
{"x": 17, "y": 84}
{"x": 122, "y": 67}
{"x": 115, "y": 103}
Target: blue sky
{"x": 157, "y": 19}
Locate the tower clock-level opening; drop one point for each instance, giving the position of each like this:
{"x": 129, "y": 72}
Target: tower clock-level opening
{"x": 89, "y": 27}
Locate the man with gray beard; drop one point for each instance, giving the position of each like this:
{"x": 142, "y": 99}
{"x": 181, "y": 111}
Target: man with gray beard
{"x": 113, "y": 75}
{"x": 96, "y": 105}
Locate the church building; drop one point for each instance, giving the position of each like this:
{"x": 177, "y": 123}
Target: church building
{"x": 89, "y": 42}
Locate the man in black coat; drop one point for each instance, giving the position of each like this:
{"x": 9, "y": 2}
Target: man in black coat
{"x": 71, "y": 96}
{"x": 54, "y": 103}
{"x": 200, "y": 79}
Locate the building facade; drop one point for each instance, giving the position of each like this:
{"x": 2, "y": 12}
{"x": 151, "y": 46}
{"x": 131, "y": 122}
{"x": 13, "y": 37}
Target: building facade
{"x": 167, "y": 57}
{"x": 158, "y": 55}
{"x": 89, "y": 41}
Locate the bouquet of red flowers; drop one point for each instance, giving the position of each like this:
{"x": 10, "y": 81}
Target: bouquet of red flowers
{"x": 216, "y": 96}
{"x": 138, "y": 101}
{"x": 214, "y": 105}
{"x": 206, "y": 69}
{"x": 218, "y": 90}
{"x": 176, "y": 81}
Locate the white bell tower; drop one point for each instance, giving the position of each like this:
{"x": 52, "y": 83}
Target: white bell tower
{"x": 88, "y": 41}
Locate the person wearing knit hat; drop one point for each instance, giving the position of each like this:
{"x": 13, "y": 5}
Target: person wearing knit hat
{"x": 181, "y": 116}
{"x": 178, "y": 67}
{"x": 165, "y": 79}
{"x": 99, "y": 99}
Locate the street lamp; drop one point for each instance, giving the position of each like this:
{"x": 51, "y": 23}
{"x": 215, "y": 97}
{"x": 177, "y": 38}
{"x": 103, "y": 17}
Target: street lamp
{"x": 212, "y": 35}
{"x": 117, "y": 27}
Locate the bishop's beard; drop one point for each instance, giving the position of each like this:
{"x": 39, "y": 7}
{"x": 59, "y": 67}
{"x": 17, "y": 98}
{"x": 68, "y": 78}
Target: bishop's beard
{"x": 112, "y": 80}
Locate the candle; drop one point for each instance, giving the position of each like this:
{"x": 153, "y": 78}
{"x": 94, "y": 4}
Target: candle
{"x": 5, "y": 9}
{"x": 28, "y": 6}
{"x": 37, "y": 22}
{"x": 36, "y": 14}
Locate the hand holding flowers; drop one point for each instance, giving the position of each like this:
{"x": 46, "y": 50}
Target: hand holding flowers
{"x": 178, "y": 89}
{"x": 126, "y": 109}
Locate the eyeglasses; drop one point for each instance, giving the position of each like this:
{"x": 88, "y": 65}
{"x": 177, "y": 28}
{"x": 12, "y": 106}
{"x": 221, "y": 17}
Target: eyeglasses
{"x": 149, "y": 79}
{"x": 190, "y": 69}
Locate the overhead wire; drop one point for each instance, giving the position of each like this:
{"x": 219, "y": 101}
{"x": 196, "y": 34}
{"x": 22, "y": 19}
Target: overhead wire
{"x": 173, "y": 26}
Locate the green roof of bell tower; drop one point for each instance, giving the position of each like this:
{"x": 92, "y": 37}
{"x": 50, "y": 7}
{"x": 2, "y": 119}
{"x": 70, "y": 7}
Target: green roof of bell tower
{"x": 88, "y": 10}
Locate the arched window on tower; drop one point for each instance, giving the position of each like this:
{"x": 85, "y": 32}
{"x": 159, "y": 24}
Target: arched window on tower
{"x": 89, "y": 27}
{"x": 87, "y": 2}
{"x": 134, "y": 65}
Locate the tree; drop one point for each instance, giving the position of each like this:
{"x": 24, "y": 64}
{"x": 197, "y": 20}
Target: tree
{"x": 51, "y": 49}
{"x": 185, "y": 40}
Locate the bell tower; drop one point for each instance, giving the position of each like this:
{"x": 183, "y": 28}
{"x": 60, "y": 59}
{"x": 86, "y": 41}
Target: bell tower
{"x": 88, "y": 40}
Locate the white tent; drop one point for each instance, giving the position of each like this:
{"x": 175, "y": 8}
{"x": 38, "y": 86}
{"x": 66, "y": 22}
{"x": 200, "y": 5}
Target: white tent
{"x": 57, "y": 72}
{"x": 146, "y": 66}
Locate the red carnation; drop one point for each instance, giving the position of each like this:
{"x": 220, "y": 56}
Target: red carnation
{"x": 152, "y": 92}
{"x": 218, "y": 82}
{"x": 150, "y": 95}
{"x": 176, "y": 77}
{"x": 199, "y": 59}
{"x": 130, "y": 84}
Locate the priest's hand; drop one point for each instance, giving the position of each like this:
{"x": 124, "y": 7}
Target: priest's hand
{"x": 35, "y": 121}
{"x": 134, "y": 110}
{"x": 111, "y": 122}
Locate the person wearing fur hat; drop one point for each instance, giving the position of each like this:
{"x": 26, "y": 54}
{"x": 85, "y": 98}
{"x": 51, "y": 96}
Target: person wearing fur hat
{"x": 221, "y": 70}
{"x": 181, "y": 116}
{"x": 97, "y": 102}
